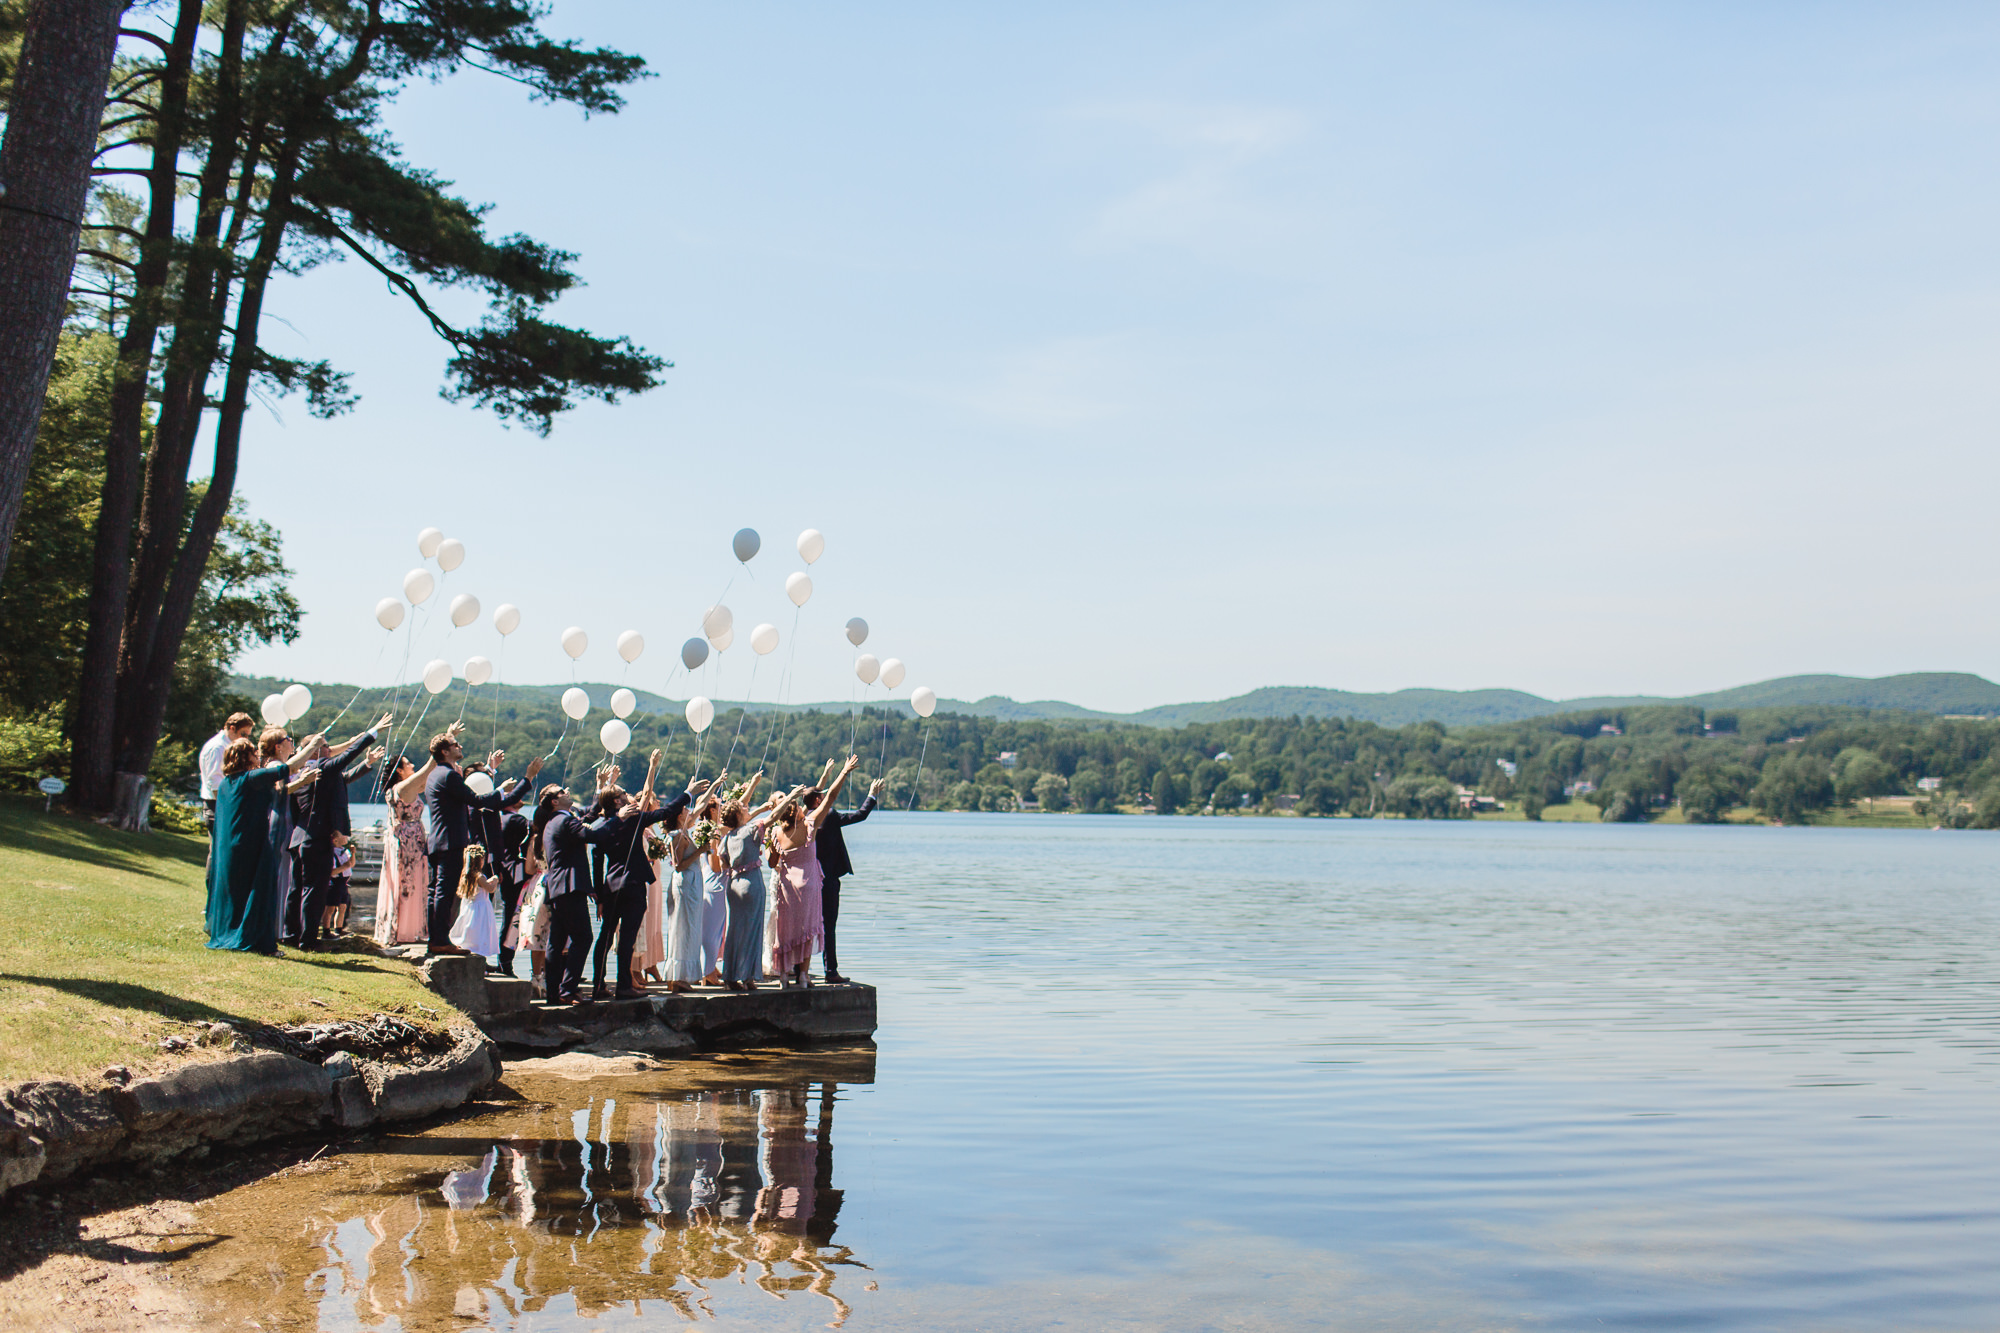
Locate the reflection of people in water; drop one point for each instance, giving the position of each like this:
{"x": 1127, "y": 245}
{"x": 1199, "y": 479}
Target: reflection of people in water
{"x": 641, "y": 1201}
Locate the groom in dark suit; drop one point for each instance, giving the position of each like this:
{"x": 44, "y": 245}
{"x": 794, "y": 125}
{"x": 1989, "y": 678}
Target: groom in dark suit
{"x": 831, "y": 848}
{"x": 450, "y": 802}
{"x": 322, "y": 812}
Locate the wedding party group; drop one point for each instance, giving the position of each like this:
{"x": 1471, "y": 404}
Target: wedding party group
{"x": 674, "y": 889}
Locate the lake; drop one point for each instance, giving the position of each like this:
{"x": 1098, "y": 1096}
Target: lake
{"x": 1255, "y": 1073}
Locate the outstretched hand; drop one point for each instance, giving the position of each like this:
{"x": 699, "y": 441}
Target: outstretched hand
{"x": 876, "y": 787}
{"x": 376, "y": 756}
{"x": 698, "y": 786}
{"x": 493, "y": 760}
{"x": 454, "y": 731}
{"x": 853, "y": 762}
{"x": 383, "y": 725}
{"x": 534, "y": 767}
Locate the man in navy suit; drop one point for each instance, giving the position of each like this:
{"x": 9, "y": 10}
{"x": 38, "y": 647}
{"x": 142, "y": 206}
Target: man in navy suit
{"x": 831, "y": 848}
{"x": 322, "y": 812}
{"x": 450, "y": 802}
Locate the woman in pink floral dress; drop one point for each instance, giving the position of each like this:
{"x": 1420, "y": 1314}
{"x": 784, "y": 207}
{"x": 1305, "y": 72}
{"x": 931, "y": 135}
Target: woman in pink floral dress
{"x": 400, "y": 901}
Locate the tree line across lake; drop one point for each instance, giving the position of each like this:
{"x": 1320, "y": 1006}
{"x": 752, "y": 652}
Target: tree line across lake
{"x": 1629, "y": 764}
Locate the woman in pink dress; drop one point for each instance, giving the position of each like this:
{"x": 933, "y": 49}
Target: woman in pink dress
{"x": 400, "y": 900}
{"x": 797, "y": 884}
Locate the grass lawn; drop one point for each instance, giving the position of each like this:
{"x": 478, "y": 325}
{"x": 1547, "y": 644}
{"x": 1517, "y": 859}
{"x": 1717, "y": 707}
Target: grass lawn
{"x": 103, "y": 952}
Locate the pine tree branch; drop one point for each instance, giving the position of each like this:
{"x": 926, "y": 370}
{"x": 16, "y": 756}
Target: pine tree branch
{"x": 400, "y": 281}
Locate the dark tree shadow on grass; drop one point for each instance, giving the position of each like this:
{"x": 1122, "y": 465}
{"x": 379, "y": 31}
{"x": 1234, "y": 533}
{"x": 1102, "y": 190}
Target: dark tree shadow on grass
{"x": 125, "y": 995}
{"x": 24, "y": 826}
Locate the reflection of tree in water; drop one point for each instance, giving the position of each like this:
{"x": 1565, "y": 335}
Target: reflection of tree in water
{"x": 644, "y": 1197}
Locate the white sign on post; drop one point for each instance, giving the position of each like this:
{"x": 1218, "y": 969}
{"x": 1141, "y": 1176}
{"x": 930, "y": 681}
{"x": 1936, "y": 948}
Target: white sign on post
{"x": 51, "y": 788}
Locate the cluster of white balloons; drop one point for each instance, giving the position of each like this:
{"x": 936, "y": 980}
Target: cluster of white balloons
{"x": 718, "y": 632}
{"x": 419, "y": 584}
{"x": 288, "y": 705}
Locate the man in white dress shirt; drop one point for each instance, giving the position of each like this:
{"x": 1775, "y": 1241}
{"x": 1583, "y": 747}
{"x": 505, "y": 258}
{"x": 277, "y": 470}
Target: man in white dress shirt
{"x": 238, "y": 727}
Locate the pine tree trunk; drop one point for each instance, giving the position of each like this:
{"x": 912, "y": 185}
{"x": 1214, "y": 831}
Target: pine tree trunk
{"x": 132, "y": 803}
{"x": 56, "y": 106}
{"x": 93, "y": 728}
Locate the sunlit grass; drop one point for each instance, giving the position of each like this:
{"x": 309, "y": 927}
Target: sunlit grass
{"x": 103, "y": 952}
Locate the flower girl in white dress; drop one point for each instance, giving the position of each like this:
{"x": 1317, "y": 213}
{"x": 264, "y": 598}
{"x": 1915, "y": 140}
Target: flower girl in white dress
{"x": 477, "y": 929}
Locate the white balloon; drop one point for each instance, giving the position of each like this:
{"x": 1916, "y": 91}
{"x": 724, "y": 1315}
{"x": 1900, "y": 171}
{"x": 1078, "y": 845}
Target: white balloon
{"x": 716, "y": 622}
{"x": 923, "y": 700}
{"x": 811, "y": 545}
{"x": 464, "y": 609}
{"x": 892, "y": 672}
{"x": 615, "y": 735}
{"x": 298, "y": 699}
{"x": 575, "y": 702}
{"x": 764, "y": 639}
{"x": 700, "y": 712}
{"x": 273, "y": 709}
{"x": 866, "y": 667}
{"x": 723, "y": 640}
{"x": 478, "y": 670}
{"x": 506, "y": 618}
{"x": 388, "y": 613}
{"x": 857, "y": 631}
{"x": 418, "y": 586}
{"x": 623, "y": 701}
{"x": 427, "y": 542}
{"x": 574, "y": 641}
{"x": 693, "y": 653}
{"x": 437, "y": 676}
{"x": 798, "y": 587}
{"x": 451, "y": 554}
{"x": 481, "y": 784}
{"x": 630, "y": 644}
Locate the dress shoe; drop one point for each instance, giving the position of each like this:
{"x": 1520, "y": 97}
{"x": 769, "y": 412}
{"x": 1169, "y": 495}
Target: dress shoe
{"x": 835, "y": 979}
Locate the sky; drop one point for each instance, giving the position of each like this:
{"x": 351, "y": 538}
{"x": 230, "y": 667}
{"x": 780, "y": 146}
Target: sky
{"x": 1131, "y": 354}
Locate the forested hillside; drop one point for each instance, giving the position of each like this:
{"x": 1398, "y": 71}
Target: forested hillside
{"x": 1631, "y": 763}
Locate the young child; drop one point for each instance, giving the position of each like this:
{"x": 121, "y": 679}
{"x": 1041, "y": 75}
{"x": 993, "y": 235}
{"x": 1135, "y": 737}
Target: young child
{"x": 477, "y": 929}
{"x": 333, "y": 921}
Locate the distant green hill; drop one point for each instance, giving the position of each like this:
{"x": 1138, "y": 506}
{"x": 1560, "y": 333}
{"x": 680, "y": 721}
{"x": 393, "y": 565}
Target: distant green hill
{"x": 1938, "y": 692}
{"x": 1935, "y": 692}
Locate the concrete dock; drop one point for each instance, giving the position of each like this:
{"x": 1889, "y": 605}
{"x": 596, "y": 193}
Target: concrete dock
{"x": 708, "y": 1018}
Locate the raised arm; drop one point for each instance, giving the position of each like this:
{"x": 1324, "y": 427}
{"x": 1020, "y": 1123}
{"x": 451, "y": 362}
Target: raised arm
{"x": 415, "y": 782}
{"x": 825, "y": 807}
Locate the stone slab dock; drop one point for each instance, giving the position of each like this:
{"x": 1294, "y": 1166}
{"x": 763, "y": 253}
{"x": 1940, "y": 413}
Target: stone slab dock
{"x": 708, "y": 1018}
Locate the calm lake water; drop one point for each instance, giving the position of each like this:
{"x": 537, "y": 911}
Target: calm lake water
{"x": 1246, "y": 1074}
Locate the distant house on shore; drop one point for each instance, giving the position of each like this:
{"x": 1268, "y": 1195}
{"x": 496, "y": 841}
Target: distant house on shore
{"x": 1223, "y": 756}
{"x": 1468, "y": 799}
{"x": 1581, "y": 787}
{"x": 1929, "y": 784}
{"x": 1610, "y": 729}
{"x": 1008, "y": 758}
{"x": 1507, "y": 766}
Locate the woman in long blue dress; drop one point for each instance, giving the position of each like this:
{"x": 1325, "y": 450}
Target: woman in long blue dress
{"x": 248, "y": 877}
{"x": 743, "y": 863}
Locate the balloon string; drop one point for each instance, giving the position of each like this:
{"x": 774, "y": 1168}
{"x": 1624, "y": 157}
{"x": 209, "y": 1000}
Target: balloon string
{"x": 918, "y": 786}
{"x": 359, "y": 689}
{"x": 744, "y": 711}
{"x": 499, "y": 669}
{"x": 785, "y": 687}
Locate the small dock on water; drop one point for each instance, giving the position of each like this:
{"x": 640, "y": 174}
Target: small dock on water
{"x": 660, "y": 1024}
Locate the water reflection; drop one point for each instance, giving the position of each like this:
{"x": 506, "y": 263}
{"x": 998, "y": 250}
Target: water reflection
{"x": 640, "y": 1196}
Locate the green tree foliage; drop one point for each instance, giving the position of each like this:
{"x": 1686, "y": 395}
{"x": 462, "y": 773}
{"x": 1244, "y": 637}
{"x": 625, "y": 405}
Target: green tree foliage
{"x": 1331, "y": 766}
{"x": 261, "y": 132}
{"x": 1794, "y": 787}
{"x": 242, "y": 601}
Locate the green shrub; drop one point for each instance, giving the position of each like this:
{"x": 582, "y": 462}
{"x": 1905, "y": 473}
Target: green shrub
{"x": 171, "y": 816}
{"x": 32, "y": 748}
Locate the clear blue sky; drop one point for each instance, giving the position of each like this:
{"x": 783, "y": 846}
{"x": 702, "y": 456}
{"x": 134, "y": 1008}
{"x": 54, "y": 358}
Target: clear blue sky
{"x": 1130, "y": 354}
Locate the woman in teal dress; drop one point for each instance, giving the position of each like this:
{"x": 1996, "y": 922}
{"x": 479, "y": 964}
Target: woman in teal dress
{"x": 253, "y": 827}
